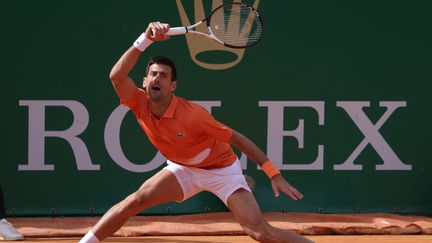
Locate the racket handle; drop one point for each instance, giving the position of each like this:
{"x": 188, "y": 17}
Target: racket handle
{"x": 177, "y": 31}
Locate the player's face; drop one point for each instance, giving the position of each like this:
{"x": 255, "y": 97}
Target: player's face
{"x": 158, "y": 82}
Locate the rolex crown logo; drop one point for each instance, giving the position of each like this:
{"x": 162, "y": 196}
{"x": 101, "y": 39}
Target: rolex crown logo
{"x": 199, "y": 46}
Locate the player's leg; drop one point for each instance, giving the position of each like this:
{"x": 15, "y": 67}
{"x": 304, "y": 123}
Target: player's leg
{"x": 246, "y": 210}
{"x": 161, "y": 188}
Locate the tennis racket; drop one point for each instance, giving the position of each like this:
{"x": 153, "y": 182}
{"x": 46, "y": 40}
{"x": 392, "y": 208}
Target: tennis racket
{"x": 235, "y": 25}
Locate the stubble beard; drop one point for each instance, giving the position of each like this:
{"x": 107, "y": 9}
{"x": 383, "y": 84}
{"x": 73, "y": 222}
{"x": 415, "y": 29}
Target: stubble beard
{"x": 159, "y": 96}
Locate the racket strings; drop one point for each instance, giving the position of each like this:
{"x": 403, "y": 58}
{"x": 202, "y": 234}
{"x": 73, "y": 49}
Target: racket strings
{"x": 237, "y": 25}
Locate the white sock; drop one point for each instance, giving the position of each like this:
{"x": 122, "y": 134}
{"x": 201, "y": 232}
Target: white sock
{"x": 89, "y": 238}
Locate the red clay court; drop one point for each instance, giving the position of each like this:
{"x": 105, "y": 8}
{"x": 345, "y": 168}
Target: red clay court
{"x": 222, "y": 227}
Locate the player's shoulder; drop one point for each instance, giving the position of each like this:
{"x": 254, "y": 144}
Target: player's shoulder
{"x": 140, "y": 93}
{"x": 193, "y": 109}
{"x": 190, "y": 104}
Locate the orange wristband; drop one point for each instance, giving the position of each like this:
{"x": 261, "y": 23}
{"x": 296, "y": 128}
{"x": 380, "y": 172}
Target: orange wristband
{"x": 270, "y": 169}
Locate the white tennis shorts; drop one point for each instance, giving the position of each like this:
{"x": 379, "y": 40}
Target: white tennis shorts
{"x": 222, "y": 181}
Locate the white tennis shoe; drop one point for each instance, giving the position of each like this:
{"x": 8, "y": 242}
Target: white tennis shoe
{"x": 9, "y": 232}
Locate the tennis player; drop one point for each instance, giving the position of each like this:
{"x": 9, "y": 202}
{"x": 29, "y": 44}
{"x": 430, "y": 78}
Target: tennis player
{"x": 197, "y": 146}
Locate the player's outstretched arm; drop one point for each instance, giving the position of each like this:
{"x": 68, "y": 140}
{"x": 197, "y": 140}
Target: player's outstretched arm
{"x": 123, "y": 84}
{"x": 279, "y": 184}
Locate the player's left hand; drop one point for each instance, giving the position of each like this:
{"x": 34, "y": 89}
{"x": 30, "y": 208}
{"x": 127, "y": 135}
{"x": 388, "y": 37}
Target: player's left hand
{"x": 279, "y": 184}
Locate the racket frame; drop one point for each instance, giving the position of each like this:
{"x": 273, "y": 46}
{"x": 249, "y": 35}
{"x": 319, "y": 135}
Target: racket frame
{"x": 190, "y": 29}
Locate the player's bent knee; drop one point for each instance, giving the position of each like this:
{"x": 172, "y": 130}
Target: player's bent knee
{"x": 131, "y": 205}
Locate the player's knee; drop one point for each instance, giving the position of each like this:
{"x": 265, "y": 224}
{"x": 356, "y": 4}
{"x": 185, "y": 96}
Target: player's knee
{"x": 131, "y": 205}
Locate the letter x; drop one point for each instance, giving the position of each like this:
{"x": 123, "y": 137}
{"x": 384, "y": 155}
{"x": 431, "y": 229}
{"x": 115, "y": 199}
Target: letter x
{"x": 372, "y": 136}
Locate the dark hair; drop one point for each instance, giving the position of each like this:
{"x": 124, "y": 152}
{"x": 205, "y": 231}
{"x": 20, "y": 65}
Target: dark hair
{"x": 165, "y": 61}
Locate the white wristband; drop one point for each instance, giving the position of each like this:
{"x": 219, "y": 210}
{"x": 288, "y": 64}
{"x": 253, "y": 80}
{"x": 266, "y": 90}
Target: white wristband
{"x": 142, "y": 42}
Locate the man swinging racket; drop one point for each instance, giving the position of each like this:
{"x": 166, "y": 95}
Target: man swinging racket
{"x": 197, "y": 147}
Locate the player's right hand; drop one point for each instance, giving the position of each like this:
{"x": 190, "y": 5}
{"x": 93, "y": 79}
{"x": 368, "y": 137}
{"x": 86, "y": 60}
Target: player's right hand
{"x": 156, "y": 31}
